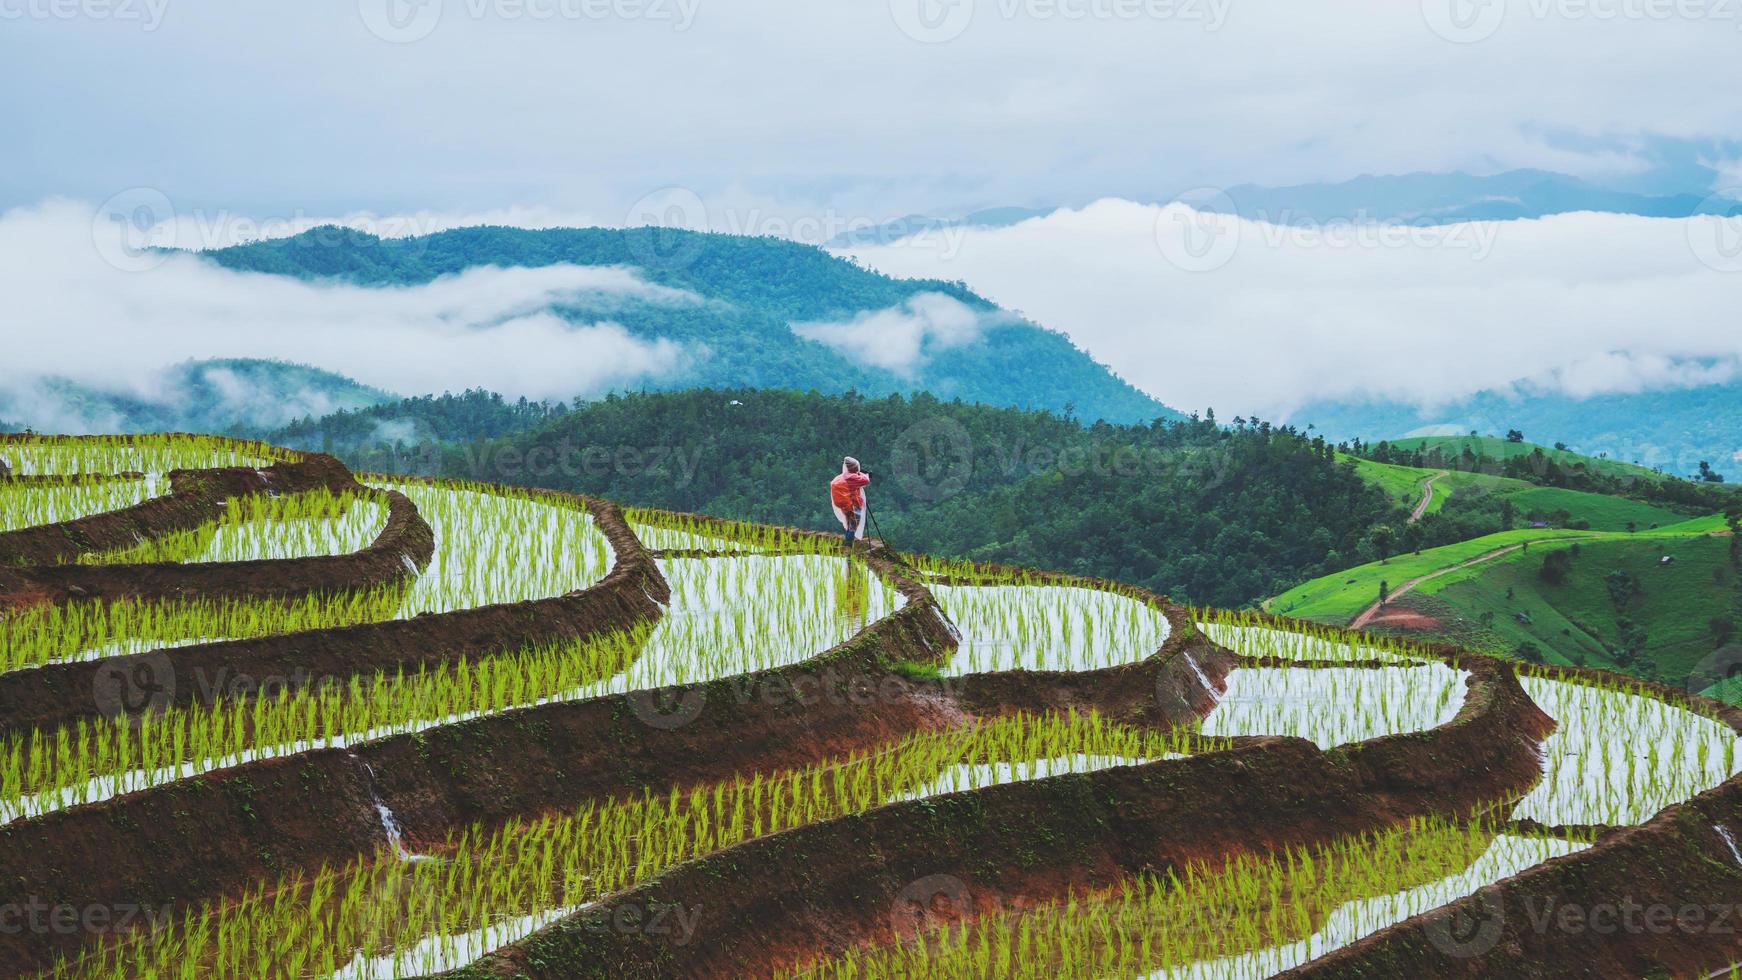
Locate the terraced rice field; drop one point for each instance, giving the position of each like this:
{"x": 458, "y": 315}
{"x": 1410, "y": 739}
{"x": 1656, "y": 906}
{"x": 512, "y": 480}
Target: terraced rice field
{"x": 283, "y": 723}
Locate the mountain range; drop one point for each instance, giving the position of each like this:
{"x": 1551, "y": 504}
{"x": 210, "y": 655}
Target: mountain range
{"x": 1673, "y": 429}
{"x": 1413, "y": 198}
{"x": 757, "y": 312}
{"x": 232, "y": 395}
{"x": 766, "y": 313}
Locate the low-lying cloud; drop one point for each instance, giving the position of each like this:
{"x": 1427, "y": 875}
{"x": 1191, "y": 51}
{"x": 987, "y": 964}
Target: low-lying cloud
{"x": 1202, "y": 309}
{"x": 901, "y": 337}
{"x": 72, "y": 313}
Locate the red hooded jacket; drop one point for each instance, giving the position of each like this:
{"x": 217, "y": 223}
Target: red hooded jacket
{"x": 848, "y": 490}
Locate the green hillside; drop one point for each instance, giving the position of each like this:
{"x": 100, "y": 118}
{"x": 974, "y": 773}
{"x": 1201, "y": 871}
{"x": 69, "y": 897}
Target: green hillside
{"x": 752, "y": 292}
{"x": 1502, "y": 449}
{"x": 1341, "y": 596}
{"x": 1673, "y": 428}
{"x": 233, "y": 395}
{"x": 1402, "y": 485}
{"x": 1580, "y": 621}
{"x": 1615, "y": 602}
{"x": 1190, "y": 509}
{"x": 1464, "y": 492}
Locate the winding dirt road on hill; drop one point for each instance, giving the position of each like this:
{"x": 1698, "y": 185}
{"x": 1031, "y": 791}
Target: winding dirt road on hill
{"x": 1409, "y": 586}
{"x": 1427, "y": 495}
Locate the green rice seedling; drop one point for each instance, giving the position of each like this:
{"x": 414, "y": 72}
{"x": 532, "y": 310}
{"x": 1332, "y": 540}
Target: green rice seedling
{"x": 264, "y": 528}
{"x": 1250, "y": 635}
{"x": 1620, "y": 755}
{"x": 490, "y": 548}
{"x": 1254, "y": 917}
{"x": 1333, "y": 706}
{"x": 501, "y": 544}
{"x": 386, "y": 915}
{"x": 665, "y": 531}
{"x": 96, "y": 760}
{"x": 729, "y": 616}
{"x": 738, "y": 615}
{"x": 91, "y": 630}
{"x": 963, "y": 572}
{"x": 1048, "y": 627}
{"x": 26, "y": 504}
{"x": 150, "y": 454}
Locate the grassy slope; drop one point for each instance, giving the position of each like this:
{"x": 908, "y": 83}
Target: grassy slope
{"x": 1501, "y": 449}
{"x": 1579, "y": 620}
{"x": 1402, "y": 485}
{"x": 1339, "y": 597}
{"x": 1605, "y": 513}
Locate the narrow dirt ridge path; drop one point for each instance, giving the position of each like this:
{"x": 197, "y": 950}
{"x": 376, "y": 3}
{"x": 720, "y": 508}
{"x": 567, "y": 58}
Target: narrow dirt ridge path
{"x": 1409, "y": 586}
{"x": 1427, "y": 496}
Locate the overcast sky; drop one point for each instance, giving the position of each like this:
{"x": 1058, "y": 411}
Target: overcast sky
{"x": 799, "y": 117}
{"x": 778, "y": 108}
{"x": 1212, "y": 310}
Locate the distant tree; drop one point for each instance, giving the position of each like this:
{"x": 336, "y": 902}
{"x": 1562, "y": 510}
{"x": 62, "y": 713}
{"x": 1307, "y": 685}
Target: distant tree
{"x": 1513, "y": 435}
{"x": 1722, "y": 627}
{"x": 1384, "y": 538}
{"x": 1561, "y": 446}
{"x": 1632, "y": 527}
{"x": 1530, "y": 652}
{"x": 1506, "y": 515}
{"x": 1631, "y": 640}
{"x": 1557, "y": 566}
{"x": 1623, "y": 588}
{"x": 1384, "y": 591}
{"x": 1706, "y": 474}
{"x": 1413, "y": 535}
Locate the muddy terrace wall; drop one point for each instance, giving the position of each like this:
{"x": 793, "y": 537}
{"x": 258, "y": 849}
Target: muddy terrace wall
{"x": 59, "y": 694}
{"x": 780, "y": 901}
{"x": 196, "y": 498}
{"x": 67, "y": 479}
{"x": 1663, "y": 899}
{"x": 1161, "y": 691}
{"x": 398, "y": 553}
{"x": 219, "y": 833}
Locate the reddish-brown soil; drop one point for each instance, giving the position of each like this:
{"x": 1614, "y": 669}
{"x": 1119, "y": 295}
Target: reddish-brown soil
{"x": 1403, "y": 620}
{"x": 398, "y": 553}
{"x": 521, "y": 763}
{"x": 1658, "y": 900}
{"x": 196, "y": 497}
{"x": 781, "y": 901}
{"x": 60, "y": 694}
{"x": 67, "y": 479}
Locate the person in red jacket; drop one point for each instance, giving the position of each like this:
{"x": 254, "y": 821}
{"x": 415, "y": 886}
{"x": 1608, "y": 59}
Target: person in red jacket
{"x": 847, "y": 494}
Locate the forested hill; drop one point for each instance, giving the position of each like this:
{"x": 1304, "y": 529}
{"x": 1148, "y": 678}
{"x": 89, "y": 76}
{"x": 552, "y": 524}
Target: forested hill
{"x": 753, "y": 292}
{"x": 1203, "y": 513}
{"x": 1673, "y": 428}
